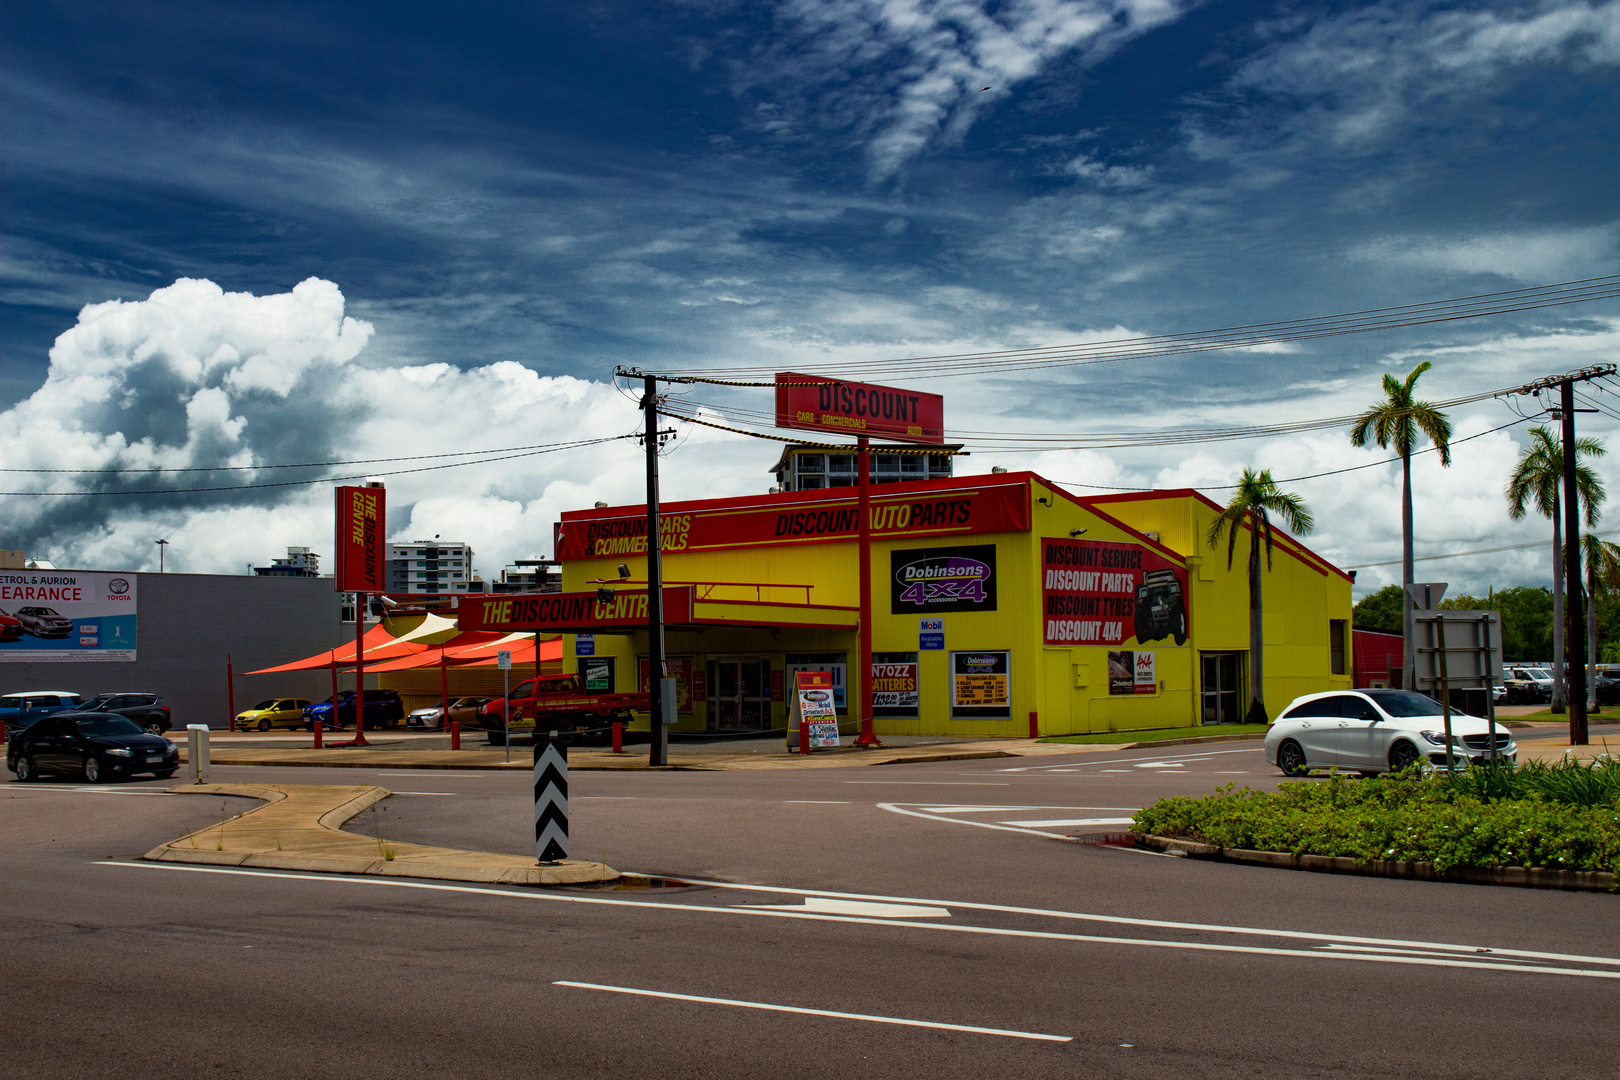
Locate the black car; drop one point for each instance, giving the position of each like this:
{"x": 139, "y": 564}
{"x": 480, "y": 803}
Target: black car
{"x": 147, "y": 710}
{"x": 43, "y": 622}
{"x": 92, "y": 745}
{"x": 383, "y": 709}
{"x": 1161, "y": 610}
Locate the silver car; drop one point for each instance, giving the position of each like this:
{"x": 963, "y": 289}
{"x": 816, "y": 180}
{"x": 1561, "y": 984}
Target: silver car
{"x": 1373, "y": 731}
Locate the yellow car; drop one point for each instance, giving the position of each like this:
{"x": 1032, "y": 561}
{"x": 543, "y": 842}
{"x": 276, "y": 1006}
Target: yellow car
{"x": 285, "y": 712}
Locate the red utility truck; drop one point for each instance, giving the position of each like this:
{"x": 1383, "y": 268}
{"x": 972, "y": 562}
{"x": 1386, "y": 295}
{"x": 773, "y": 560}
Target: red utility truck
{"x": 557, "y": 703}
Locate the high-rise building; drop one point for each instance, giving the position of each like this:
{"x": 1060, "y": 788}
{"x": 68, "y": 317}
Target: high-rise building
{"x": 300, "y": 562}
{"x": 431, "y": 566}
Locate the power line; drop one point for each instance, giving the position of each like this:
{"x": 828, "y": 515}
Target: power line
{"x": 1476, "y": 551}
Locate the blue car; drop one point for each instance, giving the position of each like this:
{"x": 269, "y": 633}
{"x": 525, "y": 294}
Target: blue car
{"x": 384, "y": 709}
{"x": 18, "y": 711}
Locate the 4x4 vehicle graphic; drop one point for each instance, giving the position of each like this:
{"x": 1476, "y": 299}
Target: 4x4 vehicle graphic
{"x": 1161, "y": 609}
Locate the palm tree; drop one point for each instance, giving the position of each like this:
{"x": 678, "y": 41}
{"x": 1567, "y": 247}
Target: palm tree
{"x": 1398, "y": 420}
{"x": 1256, "y": 499}
{"x": 1536, "y": 480}
{"x": 1602, "y": 578}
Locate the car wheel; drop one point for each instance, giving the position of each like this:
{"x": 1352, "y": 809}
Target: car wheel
{"x": 154, "y": 728}
{"x": 1181, "y": 628}
{"x": 164, "y": 774}
{"x": 92, "y": 770}
{"x": 1291, "y": 759}
{"x": 1402, "y": 756}
{"x": 264, "y": 725}
{"x": 25, "y": 770}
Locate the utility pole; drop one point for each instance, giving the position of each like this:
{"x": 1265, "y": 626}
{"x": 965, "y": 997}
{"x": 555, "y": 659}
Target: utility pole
{"x": 656, "y": 754}
{"x": 1576, "y": 635}
{"x": 1573, "y": 604}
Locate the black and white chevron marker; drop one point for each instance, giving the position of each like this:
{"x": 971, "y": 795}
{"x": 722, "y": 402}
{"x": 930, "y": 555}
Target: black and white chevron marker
{"x": 550, "y": 798}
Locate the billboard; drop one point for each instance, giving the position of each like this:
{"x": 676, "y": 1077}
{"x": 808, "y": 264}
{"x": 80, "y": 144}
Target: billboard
{"x": 66, "y": 615}
{"x": 923, "y": 580}
{"x": 981, "y": 685}
{"x": 1100, "y": 592}
{"x": 817, "y": 403}
{"x": 362, "y": 516}
{"x": 560, "y": 613}
{"x": 810, "y": 517}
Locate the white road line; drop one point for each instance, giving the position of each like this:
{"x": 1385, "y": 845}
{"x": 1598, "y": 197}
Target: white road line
{"x": 91, "y": 790}
{"x": 894, "y": 808}
{"x": 391, "y": 792}
{"x": 1061, "y": 823}
{"x": 1408, "y": 952}
{"x": 1041, "y": 935}
{"x": 820, "y": 802}
{"x": 948, "y": 808}
{"x": 869, "y": 908}
{"x": 817, "y": 1012}
{"x": 1131, "y": 760}
{"x": 934, "y": 783}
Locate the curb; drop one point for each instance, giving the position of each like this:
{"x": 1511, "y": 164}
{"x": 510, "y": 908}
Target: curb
{"x": 1516, "y": 876}
{"x": 419, "y": 862}
{"x": 1165, "y": 742}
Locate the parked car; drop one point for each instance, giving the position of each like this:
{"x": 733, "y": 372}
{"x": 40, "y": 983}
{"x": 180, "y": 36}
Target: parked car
{"x": 384, "y": 709}
{"x": 1374, "y": 731}
{"x": 147, "y": 710}
{"x": 93, "y": 745}
{"x": 11, "y": 627}
{"x": 44, "y": 622}
{"x": 556, "y": 702}
{"x": 20, "y": 710}
{"x": 1528, "y": 685}
{"x": 463, "y": 710}
{"x": 287, "y": 712}
{"x": 1608, "y": 689}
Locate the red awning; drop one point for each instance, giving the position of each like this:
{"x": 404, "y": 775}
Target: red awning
{"x": 379, "y": 645}
{"x": 475, "y": 648}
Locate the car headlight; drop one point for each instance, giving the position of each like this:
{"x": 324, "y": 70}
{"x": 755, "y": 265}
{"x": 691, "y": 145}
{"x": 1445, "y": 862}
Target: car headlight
{"x": 1437, "y": 737}
{"x": 122, "y": 753}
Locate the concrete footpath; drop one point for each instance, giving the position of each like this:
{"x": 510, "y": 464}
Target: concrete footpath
{"x": 391, "y": 752}
{"x": 299, "y": 827}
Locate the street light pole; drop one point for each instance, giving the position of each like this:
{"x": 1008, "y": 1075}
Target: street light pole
{"x": 656, "y": 755}
{"x": 161, "y": 545}
{"x": 1576, "y": 634}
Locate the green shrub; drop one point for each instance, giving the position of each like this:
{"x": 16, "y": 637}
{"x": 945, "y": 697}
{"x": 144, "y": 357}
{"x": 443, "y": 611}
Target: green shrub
{"x": 1486, "y": 818}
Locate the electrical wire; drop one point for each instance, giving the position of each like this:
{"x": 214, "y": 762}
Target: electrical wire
{"x": 1476, "y": 551}
{"x": 1248, "y": 336}
{"x": 324, "y": 479}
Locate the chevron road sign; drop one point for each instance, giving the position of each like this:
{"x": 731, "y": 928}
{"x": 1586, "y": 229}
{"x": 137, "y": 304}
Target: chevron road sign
{"x": 550, "y": 798}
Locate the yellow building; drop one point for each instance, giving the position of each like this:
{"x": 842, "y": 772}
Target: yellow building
{"x": 1002, "y": 606}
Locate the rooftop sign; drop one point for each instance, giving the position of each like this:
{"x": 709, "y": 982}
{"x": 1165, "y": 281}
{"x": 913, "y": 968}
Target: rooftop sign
{"x": 560, "y": 613}
{"x": 851, "y": 408}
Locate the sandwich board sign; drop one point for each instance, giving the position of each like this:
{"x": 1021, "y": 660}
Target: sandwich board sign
{"x": 814, "y": 716}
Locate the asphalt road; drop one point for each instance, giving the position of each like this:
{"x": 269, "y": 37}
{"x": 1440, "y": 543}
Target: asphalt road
{"x": 935, "y": 894}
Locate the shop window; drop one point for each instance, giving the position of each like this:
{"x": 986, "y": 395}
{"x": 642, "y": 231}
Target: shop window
{"x": 837, "y": 663}
{"x": 1336, "y": 644}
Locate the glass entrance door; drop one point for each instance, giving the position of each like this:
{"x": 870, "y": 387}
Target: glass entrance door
{"x": 741, "y": 698}
{"x": 1221, "y": 687}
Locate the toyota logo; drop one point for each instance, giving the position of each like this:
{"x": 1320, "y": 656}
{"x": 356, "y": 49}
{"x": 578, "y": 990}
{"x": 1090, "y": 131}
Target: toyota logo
{"x": 118, "y": 586}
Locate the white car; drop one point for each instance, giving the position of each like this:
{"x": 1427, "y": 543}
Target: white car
{"x": 1373, "y": 731}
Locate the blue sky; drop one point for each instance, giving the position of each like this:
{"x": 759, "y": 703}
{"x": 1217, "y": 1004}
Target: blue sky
{"x": 727, "y": 183}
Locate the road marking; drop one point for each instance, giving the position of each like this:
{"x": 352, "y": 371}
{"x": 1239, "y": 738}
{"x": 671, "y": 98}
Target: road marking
{"x": 1160, "y": 765}
{"x": 820, "y": 802}
{"x": 1060, "y": 823}
{"x": 94, "y": 790}
{"x": 424, "y": 792}
{"x": 958, "y": 809}
{"x": 869, "y": 908}
{"x": 935, "y": 783}
{"x": 1452, "y": 954}
{"x": 817, "y": 1012}
{"x": 1115, "y": 770}
{"x": 1131, "y": 760}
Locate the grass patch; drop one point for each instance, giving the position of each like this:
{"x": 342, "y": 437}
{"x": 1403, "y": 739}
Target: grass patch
{"x": 1158, "y": 734}
{"x": 1558, "y": 817}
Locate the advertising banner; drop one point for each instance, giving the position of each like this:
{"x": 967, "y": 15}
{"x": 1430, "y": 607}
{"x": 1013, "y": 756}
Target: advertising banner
{"x": 931, "y": 635}
{"x": 811, "y": 517}
{"x": 564, "y": 612}
{"x": 1098, "y": 592}
{"x": 813, "y": 708}
{"x": 680, "y": 669}
{"x": 66, "y": 615}
{"x": 596, "y": 674}
{"x": 1132, "y": 672}
{"x": 894, "y": 684}
{"x": 362, "y": 522}
{"x": 981, "y": 685}
{"x": 852, "y": 408}
{"x": 942, "y": 579}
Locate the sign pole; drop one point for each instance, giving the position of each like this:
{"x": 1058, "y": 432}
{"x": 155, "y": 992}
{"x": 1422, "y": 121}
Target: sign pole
{"x": 504, "y": 659}
{"x": 864, "y": 463}
{"x": 359, "y": 672}
{"x": 444, "y": 689}
{"x": 1445, "y": 684}
{"x": 656, "y": 755}
{"x": 230, "y": 695}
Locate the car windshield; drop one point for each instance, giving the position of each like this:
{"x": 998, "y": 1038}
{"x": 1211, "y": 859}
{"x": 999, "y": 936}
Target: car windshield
{"x": 97, "y": 701}
{"x": 1405, "y": 702}
{"x": 107, "y": 725}
{"x": 1540, "y": 673}
{"x": 266, "y": 704}
{"x": 45, "y": 611}
{"x": 11, "y": 702}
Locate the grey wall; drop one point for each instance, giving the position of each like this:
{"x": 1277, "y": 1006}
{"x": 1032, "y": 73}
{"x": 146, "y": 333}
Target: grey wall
{"x": 186, "y": 625}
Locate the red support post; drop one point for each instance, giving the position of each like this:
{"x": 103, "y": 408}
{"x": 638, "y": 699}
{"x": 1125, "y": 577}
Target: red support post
{"x": 455, "y": 734}
{"x": 804, "y": 736}
{"x": 317, "y": 728}
{"x": 1034, "y": 724}
{"x": 230, "y": 695}
{"x": 335, "y": 725}
{"x": 618, "y": 737}
{"x": 863, "y": 462}
{"x": 444, "y": 690}
{"x": 359, "y": 677}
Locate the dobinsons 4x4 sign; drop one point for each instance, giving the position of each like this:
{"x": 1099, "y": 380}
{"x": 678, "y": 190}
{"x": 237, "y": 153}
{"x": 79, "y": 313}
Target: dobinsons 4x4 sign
{"x": 56, "y": 615}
